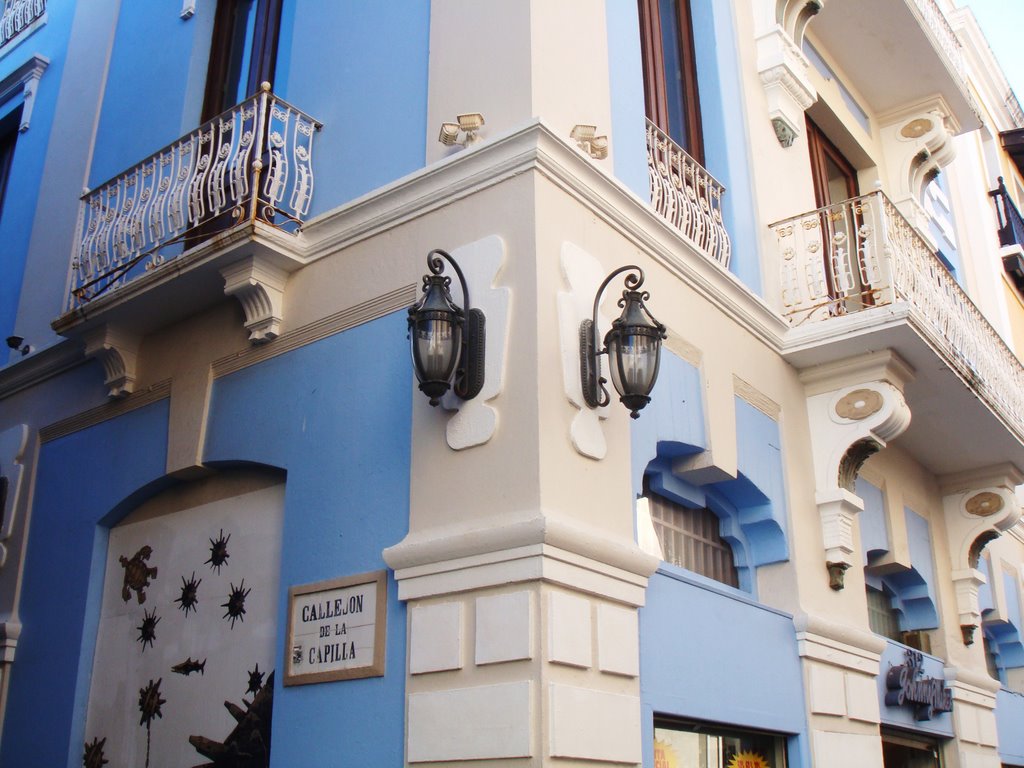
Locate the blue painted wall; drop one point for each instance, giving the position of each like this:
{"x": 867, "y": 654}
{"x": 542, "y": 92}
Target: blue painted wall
{"x": 874, "y": 534}
{"x": 740, "y": 667}
{"x": 81, "y": 478}
{"x": 362, "y": 71}
{"x": 21, "y": 200}
{"x": 342, "y": 431}
{"x": 371, "y": 135}
{"x": 154, "y": 88}
{"x": 723, "y": 118}
{"x": 1009, "y": 716}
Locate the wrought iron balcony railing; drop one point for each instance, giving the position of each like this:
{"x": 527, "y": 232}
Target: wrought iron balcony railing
{"x": 862, "y": 253}
{"x": 1011, "y": 224}
{"x": 252, "y": 162}
{"x": 946, "y": 40}
{"x": 18, "y": 15}
{"x": 687, "y": 196}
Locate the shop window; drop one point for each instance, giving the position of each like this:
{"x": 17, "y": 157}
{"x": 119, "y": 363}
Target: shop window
{"x": 905, "y": 751}
{"x": 699, "y": 745}
{"x": 670, "y": 72}
{"x": 690, "y": 538}
{"x": 243, "y": 52}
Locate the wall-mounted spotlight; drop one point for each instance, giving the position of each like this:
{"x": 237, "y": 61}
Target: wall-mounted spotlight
{"x": 17, "y": 344}
{"x": 468, "y": 124}
{"x": 447, "y": 340}
{"x": 595, "y": 146}
{"x": 633, "y": 346}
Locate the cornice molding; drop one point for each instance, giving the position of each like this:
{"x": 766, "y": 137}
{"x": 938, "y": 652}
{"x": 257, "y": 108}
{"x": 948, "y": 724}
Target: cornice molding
{"x": 37, "y": 368}
{"x": 534, "y": 147}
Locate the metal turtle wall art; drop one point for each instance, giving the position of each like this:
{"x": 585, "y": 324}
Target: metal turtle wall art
{"x": 137, "y": 574}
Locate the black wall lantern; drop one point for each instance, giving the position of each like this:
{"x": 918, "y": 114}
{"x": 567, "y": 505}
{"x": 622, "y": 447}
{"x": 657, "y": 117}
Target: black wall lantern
{"x": 447, "y": 340}
{"x": 633, "y": 346}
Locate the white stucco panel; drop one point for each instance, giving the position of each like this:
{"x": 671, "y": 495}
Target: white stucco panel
{"x": 618, "y": 640}
{"x": 435, "y": 638}
{"x": 486, "y": 722}
{"x": 594, "y": 725}
{"x": 569, "y": 630}
{"x": 504, "y": 628}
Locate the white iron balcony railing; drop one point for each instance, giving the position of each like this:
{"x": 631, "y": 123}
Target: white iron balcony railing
{"x": 252, "y": 162}
{"x": 687, "y": 196}
{"x": 18, "y": 15}
{"x": 945, "y": 39}
{"x": 861, "y": 254}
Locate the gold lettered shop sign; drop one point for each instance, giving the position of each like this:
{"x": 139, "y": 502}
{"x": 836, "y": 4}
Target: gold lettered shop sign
{"x": 336, "y": 629}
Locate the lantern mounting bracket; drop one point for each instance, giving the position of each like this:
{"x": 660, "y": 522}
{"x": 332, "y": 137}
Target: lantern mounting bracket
{"x": 595, "y": 394}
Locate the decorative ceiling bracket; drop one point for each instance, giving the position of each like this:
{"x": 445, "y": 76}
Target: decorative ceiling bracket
{"x": 978, "y": 507}
{"x": 259, "y": 287}
{"x": 118, "y": 351}
{"x": 782, "y": 65}
{"x": 855, "y": 407}
{"x": 918, "y": 143}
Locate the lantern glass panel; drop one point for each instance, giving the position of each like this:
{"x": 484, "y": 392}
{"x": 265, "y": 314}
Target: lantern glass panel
{"x": 435, "y": 349}
{"x": 633, "y": 360}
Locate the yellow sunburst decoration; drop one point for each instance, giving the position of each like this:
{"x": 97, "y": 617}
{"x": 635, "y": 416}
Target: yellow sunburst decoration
{"x": 664, "y": 755}
{"x": 748, "y": 760}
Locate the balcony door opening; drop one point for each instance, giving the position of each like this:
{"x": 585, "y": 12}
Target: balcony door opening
{"x": 904, "y": 751}
{"x": 243, "y": 52}
{"x": 670, "y": 72}
{"x": 841, "y": 220}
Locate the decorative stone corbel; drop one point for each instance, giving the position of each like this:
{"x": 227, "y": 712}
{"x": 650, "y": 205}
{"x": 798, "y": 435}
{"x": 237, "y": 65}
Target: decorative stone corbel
{"x": 118, "y": 351}
{"x": 259, "y": 287}
{"x": 978, "y": 507}
{"x": 782, "y": 65}
{"x": 10, "y": 631}
{"x": 918, "y": 143}
{"x": 583, "y": 275}
{"x": 13, "y": 442}
{"x": 474, "y": 421}
{"x": 855, "y": 407}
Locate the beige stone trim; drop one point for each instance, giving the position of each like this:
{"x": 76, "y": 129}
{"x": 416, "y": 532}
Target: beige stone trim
{"x": 101, "y": 413}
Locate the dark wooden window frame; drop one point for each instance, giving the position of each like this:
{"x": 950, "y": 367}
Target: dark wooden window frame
{"x": 263, "y": 53}
{"x": 655, "y": 85}
{"x": 821, "y": 148}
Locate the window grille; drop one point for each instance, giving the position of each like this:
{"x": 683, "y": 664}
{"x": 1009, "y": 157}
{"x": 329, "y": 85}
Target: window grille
{"x": 882, "y": 618}
{"x": 690, "y": 539}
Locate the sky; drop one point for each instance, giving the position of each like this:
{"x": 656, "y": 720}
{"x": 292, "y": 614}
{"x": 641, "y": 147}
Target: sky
{"x": 1002, "y": 22}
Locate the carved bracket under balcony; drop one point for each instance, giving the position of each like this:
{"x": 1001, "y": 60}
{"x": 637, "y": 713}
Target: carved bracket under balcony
{"x": 782, "y": 65}
{"x": 918, "y": 143}
{"x": 118, "y": 351}
{"x": 259, "y": 288}
{"x": 855, "y": 407}
{"x": 13, "y": 442}
{"x": 978, "y": 507}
